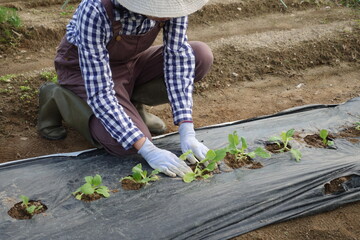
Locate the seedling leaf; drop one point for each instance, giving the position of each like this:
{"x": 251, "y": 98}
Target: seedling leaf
{"x": 276, "y": 140}
{"x": 243, "y": 144}
{"x": 211, "y": 166}
{"x": 89, "y": 179}
{"x": 97, "y": 180}
{"x": 153, "y": 178}
{"x": 323, "y": 134}
{"x": 137, "y": 168}
{"x": 296, "y": 154}
{"x": 185, "y": 154}
{"x": 206, "y": 176}
{"x": 233, "y": 140}
{"x": 262, "y": 153}
{"x": 87, "y": 188}
{"x": 251, "y": 155}
{"x": 154, "y": 172}
{"x": 189, "y": 177}
{"x": 290, "y": 133}
{"x": 137, "y": 176}
{"x": 220, "y": 154}
{"x": 25, "y": 200}
{"x": 78, "y": 196}
{"x": 103, "y": 190}
{"x": 31, "y": 209}
{"x": 210, "y": 155}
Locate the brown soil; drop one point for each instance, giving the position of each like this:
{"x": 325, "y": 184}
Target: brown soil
{"x": 349, "y": 132}
{"x": 246, "y": 162}
{"x": 267, "y": 59}
{"x": 18, "y": 211}
{"x": 315, "y": 140}
{"x": 275, "y": 148}
{"x": 335, "y": 186}
{"x": 90, "y": 197}
{"x": 127, "y": 184}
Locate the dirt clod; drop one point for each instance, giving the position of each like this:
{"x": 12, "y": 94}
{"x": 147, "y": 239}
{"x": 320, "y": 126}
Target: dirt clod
{"x": 128, "y": 184}
{"x": 89, "y": 197}
{"x": 246, "y": 162}
{"x": 336, "y": 185}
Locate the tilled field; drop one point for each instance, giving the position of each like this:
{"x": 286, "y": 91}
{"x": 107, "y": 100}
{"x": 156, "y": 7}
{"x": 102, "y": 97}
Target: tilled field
{"x": 268, "y": 58}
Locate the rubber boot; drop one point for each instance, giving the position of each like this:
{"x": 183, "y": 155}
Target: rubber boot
{"x": 56, "y": 104}
{"x": 151, "y": 93}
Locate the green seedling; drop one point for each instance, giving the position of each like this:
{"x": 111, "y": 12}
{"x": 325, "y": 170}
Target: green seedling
{"x": 7, "y": 78}
{"x": 241, "y": 153}
{"x": 285, "y": 138}
{"x": 49, "y": 76}
{"x": 185, "y": 154}
{"x": 324, "y": 136}
{"x": 357, "y": 126}
{"x": 92, "y": 185}
{"x": 29, "y": 208}
{"x": 141, "y": 176}
{"x": 25, "y": 88}
{"x": 201, "y": 171}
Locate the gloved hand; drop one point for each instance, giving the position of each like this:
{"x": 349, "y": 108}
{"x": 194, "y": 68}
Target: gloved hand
{"x": 188, "y": 141}
{"x": 163, "y": 160}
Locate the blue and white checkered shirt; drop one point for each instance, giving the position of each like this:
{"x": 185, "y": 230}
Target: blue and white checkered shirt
{"x": 90, "y": 30}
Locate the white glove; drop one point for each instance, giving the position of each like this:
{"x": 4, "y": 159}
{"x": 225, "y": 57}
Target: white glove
{"x": 189, "y": 142}
{"x": 163, "y": 160}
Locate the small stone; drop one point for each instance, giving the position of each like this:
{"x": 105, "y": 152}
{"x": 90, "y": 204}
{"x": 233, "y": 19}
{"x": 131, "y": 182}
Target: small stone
{"x": 235, "y": 74}
{"x": 300, "y": 85}
{"x": 239, "y": 9}
{"x": 24, "y": 138}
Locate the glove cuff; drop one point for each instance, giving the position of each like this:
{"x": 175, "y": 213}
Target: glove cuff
{"x": 186, "y": 129}
{"x": 146, "y": 148}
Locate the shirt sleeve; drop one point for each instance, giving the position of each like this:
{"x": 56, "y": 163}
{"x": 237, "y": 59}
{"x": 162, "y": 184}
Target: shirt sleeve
{"x": 179, "y": 68}
{"x": 94, "y": 63}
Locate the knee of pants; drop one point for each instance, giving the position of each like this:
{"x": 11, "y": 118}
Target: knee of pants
{"x": 102, "y": 136}
{"x": 203, "y": 59}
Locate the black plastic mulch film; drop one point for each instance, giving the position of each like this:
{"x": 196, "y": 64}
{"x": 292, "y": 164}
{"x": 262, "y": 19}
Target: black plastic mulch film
{"x": 224, "y": 206}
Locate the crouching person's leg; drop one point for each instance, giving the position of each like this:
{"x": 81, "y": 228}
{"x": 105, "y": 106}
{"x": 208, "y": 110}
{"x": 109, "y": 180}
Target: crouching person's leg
{"x": 101, "y": 135}
{"x": 57, "y": 104}
{"x": 150, "y": 88}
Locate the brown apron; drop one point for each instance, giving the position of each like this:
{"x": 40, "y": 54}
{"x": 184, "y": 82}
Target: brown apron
{"x": 132, "y": 61}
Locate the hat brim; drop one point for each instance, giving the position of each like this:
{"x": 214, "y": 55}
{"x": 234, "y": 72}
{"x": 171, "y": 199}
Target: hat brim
{"x": 163, "y": 8}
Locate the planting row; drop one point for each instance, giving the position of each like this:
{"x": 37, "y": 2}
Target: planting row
{"x": 232, "y": 155}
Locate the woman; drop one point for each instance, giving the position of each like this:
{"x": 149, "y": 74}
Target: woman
{"x": 107, "y": 59}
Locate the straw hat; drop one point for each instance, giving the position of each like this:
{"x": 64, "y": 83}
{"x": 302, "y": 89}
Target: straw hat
{"x": 163, "y": 8}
